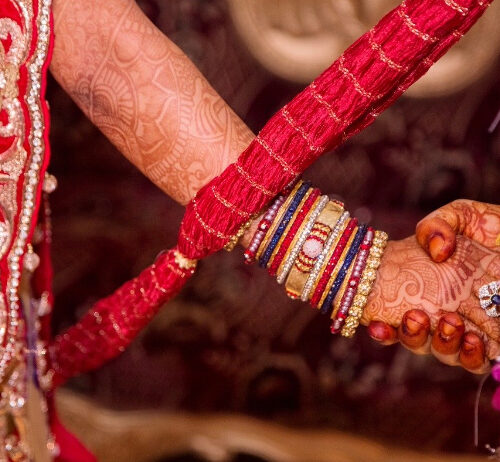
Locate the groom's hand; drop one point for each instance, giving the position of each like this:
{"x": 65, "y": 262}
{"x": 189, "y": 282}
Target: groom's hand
{"x": 415, "y": 297}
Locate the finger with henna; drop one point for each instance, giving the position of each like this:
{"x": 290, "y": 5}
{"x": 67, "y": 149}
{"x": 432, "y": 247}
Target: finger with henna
{"x": 414, "y": 331}
{"x": 382, "y": 332}
{"x": 447, "y": 339}
{"x": 472, "y": 354}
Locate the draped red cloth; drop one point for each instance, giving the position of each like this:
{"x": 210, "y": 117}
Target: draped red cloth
{"x": 346, "y": 98}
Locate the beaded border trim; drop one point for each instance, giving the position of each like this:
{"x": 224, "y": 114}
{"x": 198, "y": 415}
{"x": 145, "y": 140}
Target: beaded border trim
{"x": 32, "y": 180}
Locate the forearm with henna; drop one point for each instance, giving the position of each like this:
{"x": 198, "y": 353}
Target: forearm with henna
{"x": 144, "y": 94}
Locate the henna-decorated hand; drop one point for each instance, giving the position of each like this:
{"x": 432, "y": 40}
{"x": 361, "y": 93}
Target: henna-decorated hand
{"x": 414, "y": 296}
{"x": 437, "y": 235}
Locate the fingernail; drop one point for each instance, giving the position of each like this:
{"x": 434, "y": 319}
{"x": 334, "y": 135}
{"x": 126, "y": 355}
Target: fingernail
{"x": 472, "y": 343}
{"x": 415, "y": 322}
{"x": 377, "y": 331}
{"x": 413, "y": 327}
{"x": 436, "y": 244}
{"x": 468, "y": 347}
{"x": 448, "y": 329}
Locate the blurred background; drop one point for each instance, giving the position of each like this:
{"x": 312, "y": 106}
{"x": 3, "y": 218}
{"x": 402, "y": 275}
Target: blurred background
{"x": 232, "y": 357}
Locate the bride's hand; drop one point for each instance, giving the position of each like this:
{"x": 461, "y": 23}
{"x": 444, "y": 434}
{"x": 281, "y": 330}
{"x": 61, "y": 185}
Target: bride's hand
{"x": 414, "y": 296}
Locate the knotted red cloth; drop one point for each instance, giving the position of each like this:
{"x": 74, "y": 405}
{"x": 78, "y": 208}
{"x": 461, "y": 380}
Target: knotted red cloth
{"x": 346, "y": 98}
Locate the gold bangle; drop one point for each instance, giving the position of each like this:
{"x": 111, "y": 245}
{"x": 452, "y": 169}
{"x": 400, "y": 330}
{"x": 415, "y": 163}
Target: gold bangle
{"x": 297, "y": 273}
{"x": 365, "y": 284}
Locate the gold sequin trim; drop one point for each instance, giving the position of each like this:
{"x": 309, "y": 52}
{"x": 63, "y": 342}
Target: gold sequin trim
{"x": 383, "y": 56}
{"x": 354, "y": 80}
{"x": 300, "y": 130}
{"x": 411, "y": 25}
{"x": 205, "y": 225}
{"x": 326, "y": 104}
{"x": 228, "y": 204}
{"x": 190, "y": 240}
{"x": 184, "y": 262}
{"x": 276, "y": 157}
{"x": 250, "y": 180}
{"x": 455, "y": 6}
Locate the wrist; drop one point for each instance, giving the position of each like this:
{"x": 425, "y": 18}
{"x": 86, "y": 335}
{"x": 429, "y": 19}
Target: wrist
{"x": 373, "y": 309}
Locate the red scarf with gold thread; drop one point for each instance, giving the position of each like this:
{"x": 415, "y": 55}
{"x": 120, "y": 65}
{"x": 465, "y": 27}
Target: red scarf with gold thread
{"x": 367, "y": 78}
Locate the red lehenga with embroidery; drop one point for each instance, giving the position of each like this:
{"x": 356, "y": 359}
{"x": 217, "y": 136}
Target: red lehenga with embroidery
{"x": 347, "y": 97}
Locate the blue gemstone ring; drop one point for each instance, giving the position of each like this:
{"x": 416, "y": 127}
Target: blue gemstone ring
{"x": 489, "y": 298}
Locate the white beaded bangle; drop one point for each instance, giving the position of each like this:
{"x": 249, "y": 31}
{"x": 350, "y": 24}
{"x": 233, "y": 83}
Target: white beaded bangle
{"x": 300, "y": 242}
{"x": 319, "y": 262}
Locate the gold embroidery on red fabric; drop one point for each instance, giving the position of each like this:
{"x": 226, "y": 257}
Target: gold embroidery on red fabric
{"x": 20, "y": 170}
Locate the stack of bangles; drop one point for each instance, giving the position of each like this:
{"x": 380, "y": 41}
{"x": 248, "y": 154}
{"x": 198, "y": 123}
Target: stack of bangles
{"x": 321, "y": 254}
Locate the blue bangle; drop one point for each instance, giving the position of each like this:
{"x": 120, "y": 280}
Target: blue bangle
{"x": 353, "y": 250}
{"x": 299, "y": 195}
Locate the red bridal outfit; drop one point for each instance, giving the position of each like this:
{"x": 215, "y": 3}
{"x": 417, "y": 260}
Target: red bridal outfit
{"x": 347, "y": 97}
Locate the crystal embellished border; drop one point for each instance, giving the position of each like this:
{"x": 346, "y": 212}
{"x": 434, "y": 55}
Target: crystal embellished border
{"x": 32, "y": 177}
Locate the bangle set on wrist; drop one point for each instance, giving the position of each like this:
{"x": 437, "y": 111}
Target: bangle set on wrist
{"x": 321, "y": 254}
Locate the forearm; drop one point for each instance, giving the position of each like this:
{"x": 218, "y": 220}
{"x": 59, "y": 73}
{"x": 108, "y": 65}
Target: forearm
{"x": 145, "y": 95}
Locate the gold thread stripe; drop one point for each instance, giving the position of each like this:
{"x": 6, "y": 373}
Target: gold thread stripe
{"x": 256, "y": 185}
{"x": 326, "y": 104}
{"x": 190, "y": 240}
{"x": 383, "y": 56}
{"x": 300, "y": 130}
{"x": 86, "y": 332}
{"x": 81, "y": 348}
{"x": 116, "y": 327}
{"x": 205, "y": 225}
{"x": 455, "y": 6}
{"x": 354, "y": 80}
{"x": 228, "y": 204}
{"x": 411, "y": 25}
{"x": 276, "y": 157}
{"x": 155, "y": 279}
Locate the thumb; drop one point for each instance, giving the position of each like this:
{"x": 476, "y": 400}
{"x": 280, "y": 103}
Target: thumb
{"x": 436, "y": 236}
{"x": 478, "y": 221}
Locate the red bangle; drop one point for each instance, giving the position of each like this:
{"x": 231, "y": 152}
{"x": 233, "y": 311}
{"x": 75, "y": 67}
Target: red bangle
{"x": 299, "y": 218}
{"x": 325, "y": 277}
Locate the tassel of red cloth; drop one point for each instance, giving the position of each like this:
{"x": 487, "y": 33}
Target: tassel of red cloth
{"x": 346, "y": 98}
{"x": 113, "y": 322}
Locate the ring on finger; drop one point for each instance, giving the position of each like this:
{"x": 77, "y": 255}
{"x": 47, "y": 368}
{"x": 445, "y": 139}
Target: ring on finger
{"x": 489, "y": 298}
